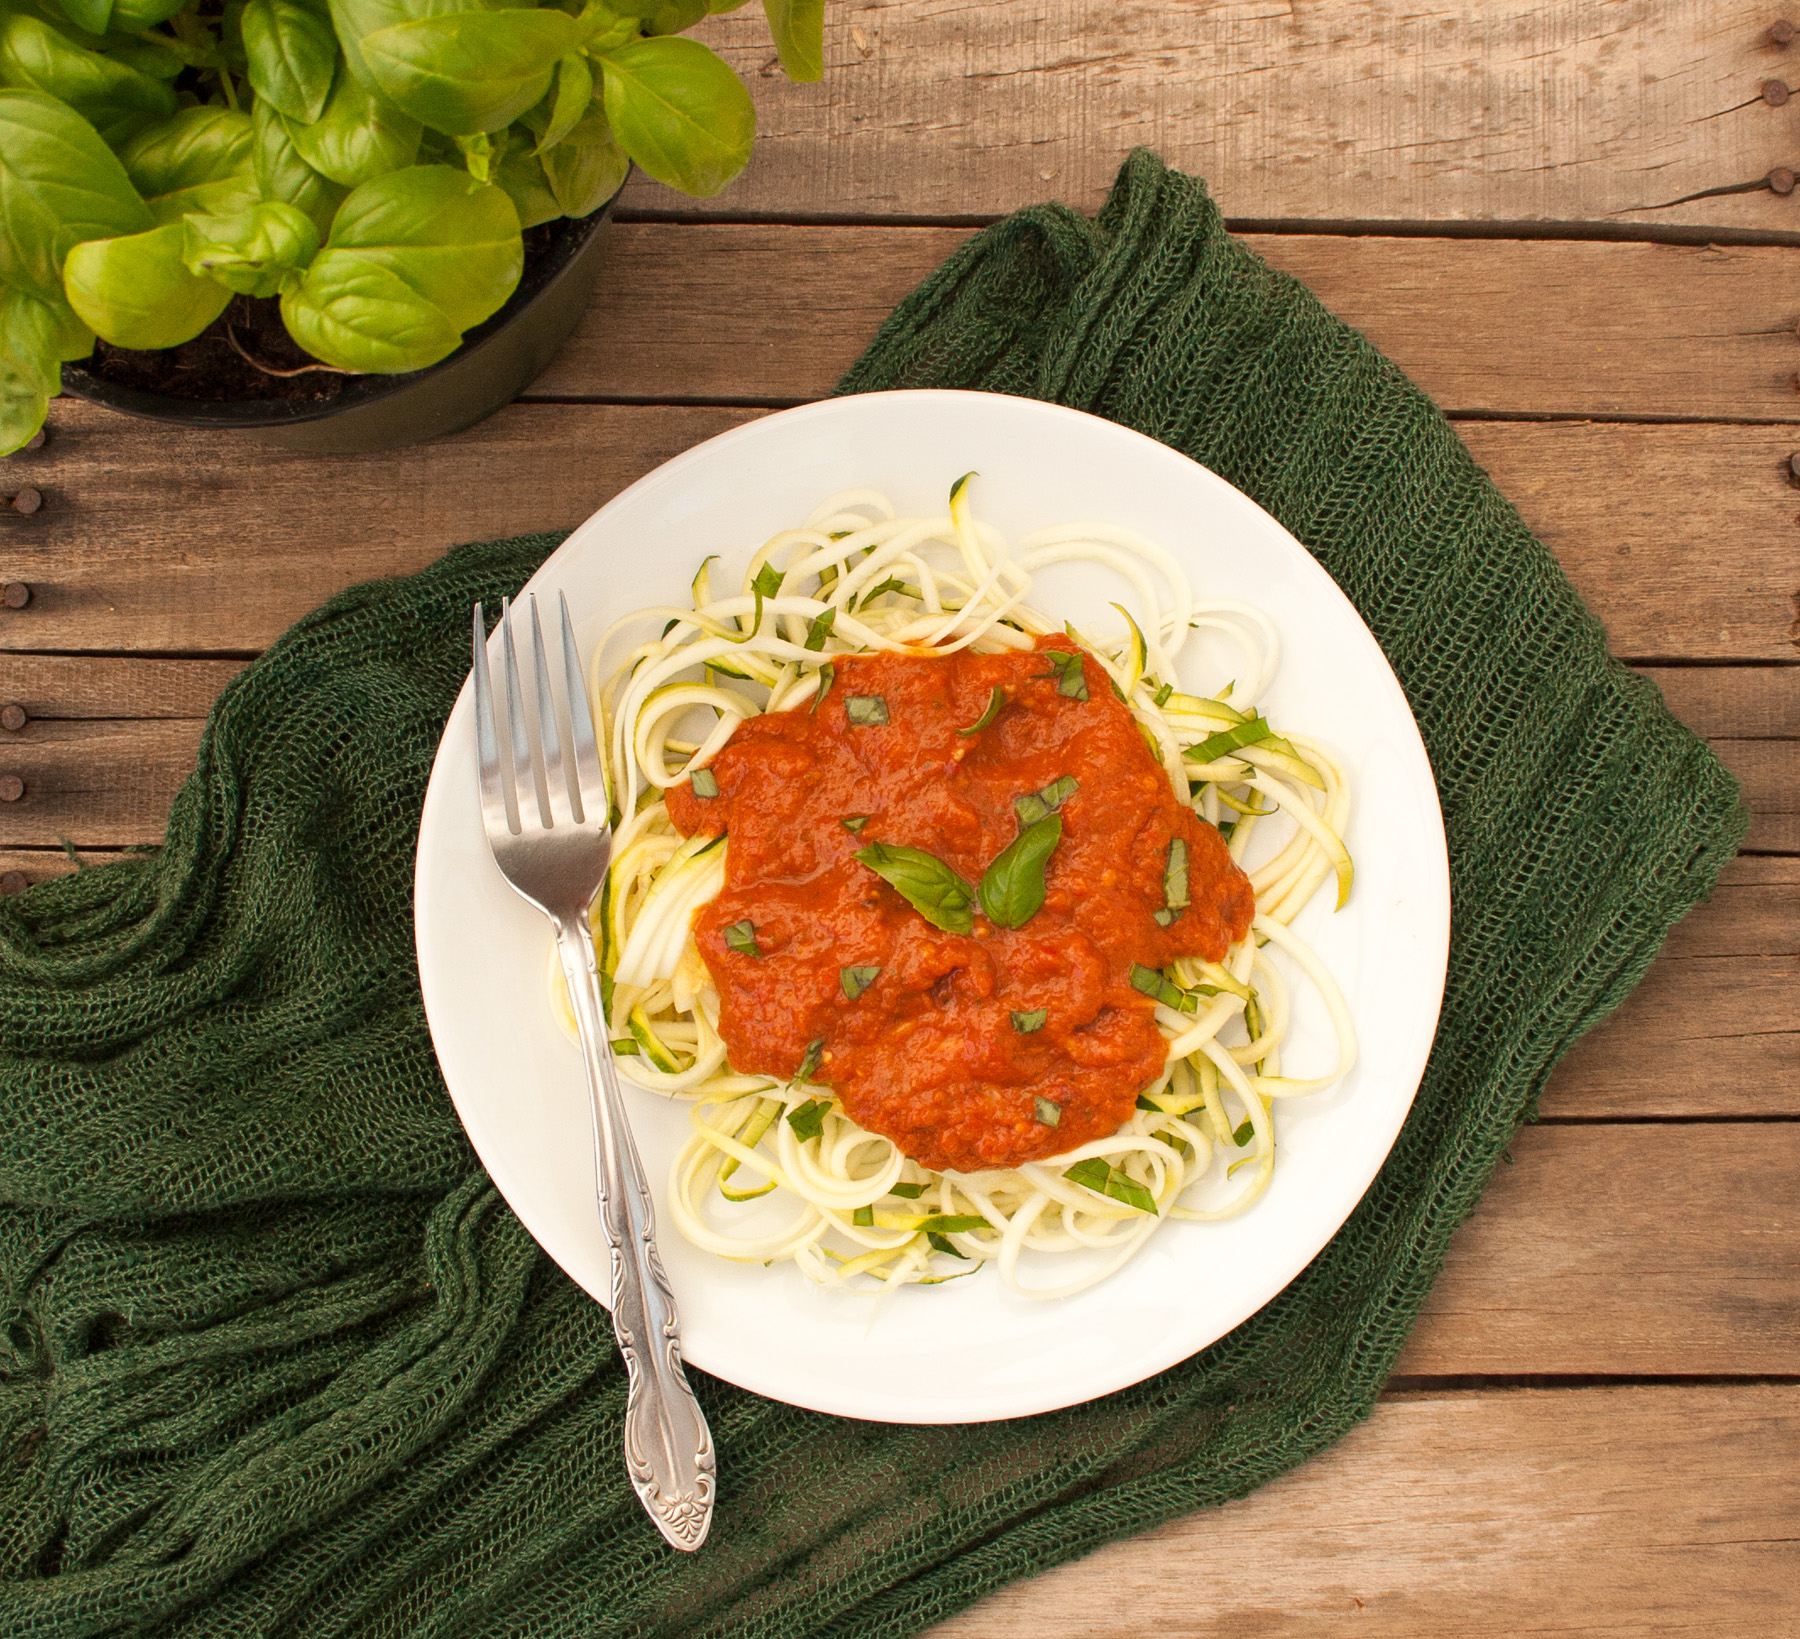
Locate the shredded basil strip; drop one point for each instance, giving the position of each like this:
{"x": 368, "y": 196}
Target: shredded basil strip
{"x": 957, "y": 488}
{"x": 1049, "y": 1114}
{"x": 626, "y": 1047}
{"x": 909, "y": 1192}
{"x": 741, "y": 937}
{"x": 1071, "y": 681}
{"x": 768, "y": 580}
{"x": 892, "y": 584}
{"x": 866, "y": 710}
{"x": 1227, "y": 740}
{"x": 704, "y": 782}
{"x": 809, "y": 1063}
{"x": 820, "y": 629}
{"x": 1175, "y": 875}
{"x": 856, "y": 980}
{"x": 925, "y": 882}
{"x": 1012, "y": 888}
{"x": 1165, "y": 916}
{"x": 863, "y": 1217}
{"x": 853, "y": 823}
{"x": 1029, "y": 1023}
{"x": 1032, "y": 808}
{"x": 953, "y": 1224}
{"x": 1095, "y": 1174}
{"x": 1161, "y": 988}
{"x": 1163, "y": 694}
{"x": 1226, "y": 827}
{"x": 939, "y": 1244}
{"x": 827, "y": 676}
{"x": 808, "y": 1119}
{"x": 1244, "y": 1134}
{"x": 995, "y": 701}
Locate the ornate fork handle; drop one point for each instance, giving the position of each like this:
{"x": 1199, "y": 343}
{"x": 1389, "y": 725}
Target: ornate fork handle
{"x": 668, "y": 1447}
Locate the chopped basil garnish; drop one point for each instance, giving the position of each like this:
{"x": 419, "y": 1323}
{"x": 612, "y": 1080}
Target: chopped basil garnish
{"x": 1164, "y": 916}
{"x": 1160, "y": 987}
{"x": 1175, "y": 875}
{"x": 925, "y": 882}
{"x": 827, "y": 676}
{"x": 956, "y": 489}
{"x": 856, "y": 980}
{"x": 1048, "y": 1113}
{"x": 939, "y": 1244}
{"x": 809, "y": 1063}
{"x": 820, "y": 629}
{"x": 1012, "y": 888}
{"x": 768, "y": 580}
{"x": 1162, "y": 694}
{"x": 1228, "y": 740}
{"x": 741, "y": 937}
{"x": 1066, "y": 669}
{"x": 1033, "y": 808}
{"x": 808, "y": 1119}
{"x": 909, "y": 1192}
{"x": 1226, "y": 827}
{"x": 863, "y": 1217}
{"x": 1244, "y": 1134}
{"x": 866, "y": 710}
{"x": 1095, "y": 1174}
{"x": 626, "y": 1046}
{"x": 705, "y": 783}
{"x": 953, "y": 1224}
{"x": 853, "y": 823}
{"x": 892, "y": 584}
{"x": 995, "y": 701}
{"x": 1028, "y": 1024}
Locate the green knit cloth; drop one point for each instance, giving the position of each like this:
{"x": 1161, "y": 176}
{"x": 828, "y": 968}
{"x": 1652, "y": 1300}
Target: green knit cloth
{"x": 276, "y": 1359}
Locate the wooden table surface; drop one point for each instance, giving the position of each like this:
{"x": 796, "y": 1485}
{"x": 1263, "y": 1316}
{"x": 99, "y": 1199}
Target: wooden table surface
{"x": 1558, "y": 216}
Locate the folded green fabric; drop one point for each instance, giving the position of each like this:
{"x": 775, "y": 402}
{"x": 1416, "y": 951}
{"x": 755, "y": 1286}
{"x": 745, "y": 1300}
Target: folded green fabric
{"x": 276, "y": 1358}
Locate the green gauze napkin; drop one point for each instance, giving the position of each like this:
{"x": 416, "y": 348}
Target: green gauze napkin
{"x": 276, "y": 1358}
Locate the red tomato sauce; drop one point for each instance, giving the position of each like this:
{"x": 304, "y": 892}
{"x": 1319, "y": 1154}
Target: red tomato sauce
{"x": 928, "y": 1054}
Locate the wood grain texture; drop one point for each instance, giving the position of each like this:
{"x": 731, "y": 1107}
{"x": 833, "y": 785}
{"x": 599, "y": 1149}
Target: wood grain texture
{"x": 94, "y": 784}
{"x": 1605, "y": 1513}
{"x": 51, "y": 687}
{"x": 189, "y": 542}
{"x": 776, "y": 314}
{"x": 1625, "y": 1251}
{"x": 1518, "y": 110}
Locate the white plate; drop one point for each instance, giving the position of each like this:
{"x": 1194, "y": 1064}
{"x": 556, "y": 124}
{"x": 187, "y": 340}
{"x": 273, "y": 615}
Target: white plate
{"x": 970, "y": 1350}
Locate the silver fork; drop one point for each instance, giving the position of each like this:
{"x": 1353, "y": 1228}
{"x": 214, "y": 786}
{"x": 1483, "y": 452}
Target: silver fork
{"x": 559, "y": 864}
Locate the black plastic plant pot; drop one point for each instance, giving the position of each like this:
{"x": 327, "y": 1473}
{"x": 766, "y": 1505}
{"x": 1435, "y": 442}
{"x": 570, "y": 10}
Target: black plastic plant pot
{"x": 496, "y": 362}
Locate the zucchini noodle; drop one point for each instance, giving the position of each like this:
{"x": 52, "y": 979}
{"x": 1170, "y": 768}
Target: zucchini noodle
{"x": 841, "y": 1202}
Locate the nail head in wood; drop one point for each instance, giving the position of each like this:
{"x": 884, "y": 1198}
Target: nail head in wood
{"x": 1793, "y": 464}
{"x": 28, "y": 500}
{"x": 12, "y": 717}
{"x": 11, "y": 788}
{"x": 1781, "y": 179}
{"x": 14, "y": 882}
{"x": 1775, "y": 93}
{"x": 1781, "y": 33}
{"x": 15, "y": 594}
{"x": 36, "y": 442}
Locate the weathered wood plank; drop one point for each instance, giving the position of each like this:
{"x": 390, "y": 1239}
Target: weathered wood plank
{"x": 1733, "y": 702}
{"x": 181, "y": 541}
{"x": 96, "y": 784}
{"x": 119, "y": 688}
{"x": 688, "y": 313}
{"x": 1605, "y": 1513}
{"x": 1770, "y": 772}
{"x": 1521, "y": 111}
{"x": 1622, "y": 1250}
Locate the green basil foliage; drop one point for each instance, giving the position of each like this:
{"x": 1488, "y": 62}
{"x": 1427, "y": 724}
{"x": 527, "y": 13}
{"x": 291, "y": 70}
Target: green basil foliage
{"x": 1097, "y": 1174}
{"x": 1012, "y": 888}
{"x": 925, "y": 882}
{"x": 371, "y": 162}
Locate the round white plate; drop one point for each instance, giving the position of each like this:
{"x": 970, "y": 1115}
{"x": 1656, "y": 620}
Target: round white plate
{"x": 970, "y": 1350}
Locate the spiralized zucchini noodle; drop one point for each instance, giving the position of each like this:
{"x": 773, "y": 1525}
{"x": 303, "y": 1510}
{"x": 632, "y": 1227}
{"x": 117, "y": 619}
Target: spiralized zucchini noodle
{"x": 844, "y": 1204}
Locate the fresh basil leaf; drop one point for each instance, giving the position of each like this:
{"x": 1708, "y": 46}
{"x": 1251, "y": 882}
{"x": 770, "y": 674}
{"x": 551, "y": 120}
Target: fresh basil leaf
{"x": 1175, "y": 875}
{"x": 853, "y": 823}
{"x": 291, "y": 52}
{"x": 1163, "y": 695}
{"x": 704, "y": 782}
{"x": 1049, "y": 1113}
{"x": 626, "y": 1047}
{"x": 1030, "y": 809}
{"x": 282, "y": 174}
{"x": 1164, "y": 916}
{"x": 90, "y": 15}
{"x": 30, "y": 366}
{"x": 679, "y": 111}
{"x": 354, "y": 20}
{"x": 939, "y": 1244}
{"x": 827, "y": 676}
{"x": 768, "y": 581}
{"x": 808, "y": 1119}
{"x": 866, "y": 710}
{"x": 59, "y": 185}
{"x": 473, "y": 71}
{"x": 526, "y": 183}
{"x": 820, "y": 629}
{"x": 909, "y": 1192}
{"x": 863, "y": 1217}
{"x": 925, "y": 882}
{"x": 114, "y": 97}
{"x": 1228, "y": 740}
{"x": 199, "y": 160}
{"x": 574, "y": 96}
{"x": 670, "y": 16}
{"x": 809, "y": 1062}
{"x": 251, "y": 251}
{"x": 1028, "y": 1023}
{"x": 358, "y": 316}
{"x": 856, "y": 980}
{"x": 741, "y": 937}
{"x": 136, "y": 291}
{"x": 141, "y": 14}
{"x": 951, "y": 1223}
{"x": 892, "y": 584}
{"x": 995, "y": 701}
{"x": 587, "y": 167}
{"x": 1012, "y": 888}
{"x": 1161, "y": 988}
{"x": 359, "y": 137}
{"x": 1071, "y": 680}
{"x": 1245, "y": 1132}
{"x": 1095, "y": 1174}
{"x": 799, "y": 30}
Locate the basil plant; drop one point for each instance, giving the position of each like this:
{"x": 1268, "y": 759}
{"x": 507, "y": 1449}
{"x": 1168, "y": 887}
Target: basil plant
{"x": 371, "y": 162}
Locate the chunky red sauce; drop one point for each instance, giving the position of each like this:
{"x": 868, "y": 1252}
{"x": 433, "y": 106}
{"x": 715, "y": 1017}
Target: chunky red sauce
{"x": 928, "y": 1055}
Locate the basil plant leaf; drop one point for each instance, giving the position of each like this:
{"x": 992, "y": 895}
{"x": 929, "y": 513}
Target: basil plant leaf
{"x": 59, "y": 185}
{"x": 136, "y": 291}
{"x": 360, "y": 136}
{"x": 354, "y": 20}
{"x": 292, "y": 53}
{"x": 1012, "y": 888}
{"x": 799, "y": 30}
{"x": 925, "y": 882}
{"x": 30, "y": 366}
{"x": 574, "y": 95}
{"x": 142, "y": 14}
{"x": 113, "y": 96}
{"x": 586, "y": 168}
{"x": 678, "y": 110}
{"x": 200, "y": 159}
{"x": 475, "y": 71}
{"x": 251, "y": 252}
{"x": 671, "y": 16}
{"x": 526, "y": 185}
{"x": 282, "y": 174}
{"x": 91, "y": 15}
{"x": 428, "y": 251}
